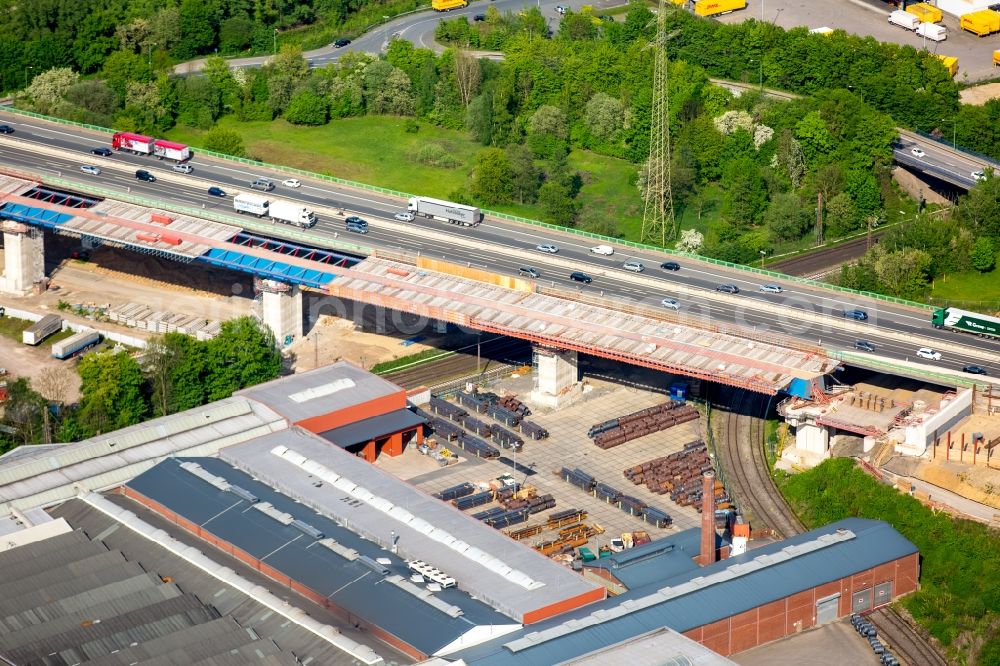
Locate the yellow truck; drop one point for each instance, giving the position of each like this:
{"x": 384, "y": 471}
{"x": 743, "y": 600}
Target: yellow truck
{"x": 981, "y": 23}
{"x": 926, "y": 13}
{"x": 996, "y": 58}
{"x": 950, "y": 63}
{"x": 716, "y": 7}
{"x": 448, "y": 5}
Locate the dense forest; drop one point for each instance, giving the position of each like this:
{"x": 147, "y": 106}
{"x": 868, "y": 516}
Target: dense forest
{"x": 753, "y": 174}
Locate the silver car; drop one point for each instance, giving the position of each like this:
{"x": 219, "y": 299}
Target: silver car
{"x": 92, "y": 170}
{"x": 634, "y": 266}
{"x": 770, "y": 289}
{"x": 671, "y": 303}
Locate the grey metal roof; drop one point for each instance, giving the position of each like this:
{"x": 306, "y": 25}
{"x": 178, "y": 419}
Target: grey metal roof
{"x": 508, "y": 575}
{"x": 663, "y": 647}
{"x": 307, "y": 559}
{"x": 321, "y": 391}
{"x": 368, "y": 429}
{"x": 46, "y": 477}
{"x": 746, "y": 581}
{"x": 254, "y": 618}
{"x": 654, "y": 561}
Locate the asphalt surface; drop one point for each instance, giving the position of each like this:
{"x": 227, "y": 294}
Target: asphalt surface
{"x": 495, "y": 238}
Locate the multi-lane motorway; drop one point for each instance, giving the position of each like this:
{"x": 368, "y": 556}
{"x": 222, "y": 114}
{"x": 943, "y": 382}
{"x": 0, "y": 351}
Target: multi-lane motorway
{"x": 811, "y": 314}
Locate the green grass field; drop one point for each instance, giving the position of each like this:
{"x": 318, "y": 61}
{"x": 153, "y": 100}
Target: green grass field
{"x": 973, "y": 290}
{"x": 377, "y": 150}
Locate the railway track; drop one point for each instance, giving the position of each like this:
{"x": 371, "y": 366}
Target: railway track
{"x": 906, "y": 644}
{"x": 816, "y": 262}
{"x": 745, "y": 466}
{"x": 462, "y": 363}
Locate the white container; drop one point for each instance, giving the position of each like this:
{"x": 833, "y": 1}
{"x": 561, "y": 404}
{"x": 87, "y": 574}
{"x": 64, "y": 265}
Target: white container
{"x": 933, "y": 31}
{"x": 904, "y": 20}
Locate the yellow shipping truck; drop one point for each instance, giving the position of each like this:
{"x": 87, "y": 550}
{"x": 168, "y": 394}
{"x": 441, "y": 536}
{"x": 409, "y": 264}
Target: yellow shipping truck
{"x": 981, "y": 23}
{"x": 716, "y": 7}
{"x": 950, "y": 63}
{"x": 996, "y": 58}
{"x": 448, "y": 5}
{"x": 925, "y": 12}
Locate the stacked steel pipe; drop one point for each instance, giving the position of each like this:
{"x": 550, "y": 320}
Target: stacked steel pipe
{"x": 612, "y": 433}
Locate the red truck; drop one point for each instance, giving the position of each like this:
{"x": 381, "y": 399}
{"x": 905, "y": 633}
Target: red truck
{"x": 147, "y": 145}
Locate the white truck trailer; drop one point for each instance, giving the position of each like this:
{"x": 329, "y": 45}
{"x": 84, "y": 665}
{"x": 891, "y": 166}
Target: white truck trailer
{"x": 904, "y": 19}
{"x": 251, "y": 204}
{"x": 288, "y": 212}
{"x": 933, "y": 31}
{"x": 75, "y": 344}
{"x": 41, "y": 329}
{"x": 445, "y": 211}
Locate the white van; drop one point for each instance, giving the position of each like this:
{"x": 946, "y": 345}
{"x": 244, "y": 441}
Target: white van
{"x": 904, "y": 19}
{"x": 933, "y": 31}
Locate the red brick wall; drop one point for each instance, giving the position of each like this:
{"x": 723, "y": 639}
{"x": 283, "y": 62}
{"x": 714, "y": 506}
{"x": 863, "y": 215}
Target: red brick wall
{"x": 364, "y": 410}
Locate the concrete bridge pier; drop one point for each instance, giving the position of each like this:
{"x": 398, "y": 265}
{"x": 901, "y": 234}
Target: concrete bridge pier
{"x": 557, "y": 377}
{"x": 281, "y": 310}
{"x": 24, "y": 258}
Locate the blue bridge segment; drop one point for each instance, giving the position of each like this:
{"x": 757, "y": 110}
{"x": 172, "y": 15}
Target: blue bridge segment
{"x": 42, "y": 217}
{"x": 266, "y": 268}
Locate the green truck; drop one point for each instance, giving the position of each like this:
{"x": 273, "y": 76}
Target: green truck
{"x": 963, "y": 320}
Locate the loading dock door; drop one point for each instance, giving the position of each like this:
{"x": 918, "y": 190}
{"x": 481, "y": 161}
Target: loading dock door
{"x": 828, "y": 609}
{"x": 861, "y": 601}
{"x": 883, "y": 593}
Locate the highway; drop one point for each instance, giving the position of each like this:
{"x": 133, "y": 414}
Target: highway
{"x": 811, "y": 314}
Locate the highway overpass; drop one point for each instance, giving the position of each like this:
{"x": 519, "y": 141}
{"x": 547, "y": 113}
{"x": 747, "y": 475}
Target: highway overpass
{"x": 808, "y": 313}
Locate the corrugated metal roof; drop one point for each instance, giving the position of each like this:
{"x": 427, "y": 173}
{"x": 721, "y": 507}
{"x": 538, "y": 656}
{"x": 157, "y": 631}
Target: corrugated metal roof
{"x": 349, "y": 584}
{"x": 846, "y": 547}
{"x": 110, "y": 460}
{"x": 663, "y": 647}
{"x": 247, "y": 611}
{"x": 368, "y": 429}
{"x": 321, "y": 391}
{"x": 508, "y": 575}
{"x": 654, "y": 561}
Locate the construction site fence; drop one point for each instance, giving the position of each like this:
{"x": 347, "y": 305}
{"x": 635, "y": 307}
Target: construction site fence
{"x": 513, "y": 218}
{"x": 455, "y": 385}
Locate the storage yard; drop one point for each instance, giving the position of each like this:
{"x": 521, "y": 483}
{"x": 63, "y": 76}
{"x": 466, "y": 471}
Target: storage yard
{"x": 627, "y": 485}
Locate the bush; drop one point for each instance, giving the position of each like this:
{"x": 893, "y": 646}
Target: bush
{"x": 434, "y": 154}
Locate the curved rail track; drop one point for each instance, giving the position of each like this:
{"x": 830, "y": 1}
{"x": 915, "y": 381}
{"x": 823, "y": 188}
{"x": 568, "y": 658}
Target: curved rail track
{"x": 906, "y": 644}
{"x": 745, "y": 467}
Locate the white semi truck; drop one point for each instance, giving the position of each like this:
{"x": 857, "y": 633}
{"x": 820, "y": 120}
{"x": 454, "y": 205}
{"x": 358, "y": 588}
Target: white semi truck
{"x": 285, "y": 212}
{"x": 445, "y": 211}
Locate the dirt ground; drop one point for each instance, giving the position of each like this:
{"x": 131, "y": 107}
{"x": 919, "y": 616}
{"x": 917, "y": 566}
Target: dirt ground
{"x": 55, "y": 379}
{"x": 978, "y": 483}
{"x": 980, "y": 94}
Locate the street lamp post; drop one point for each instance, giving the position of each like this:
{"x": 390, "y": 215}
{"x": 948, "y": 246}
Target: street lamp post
{"x": 385, "y": 32}
{"x": 26, "y": 75}
{"x": 149, "y": 53}
{"x": 760, "y": 61}
{"x": 763, "y": 253}
{"x": 954, "y": 130}
{"x": 274, "y": 49}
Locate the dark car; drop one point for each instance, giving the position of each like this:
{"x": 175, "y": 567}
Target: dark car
{"x": 728, "y": 289}
{"x": 479, "y": 17}
{"x": 142, "y": 174}
{"x": 341, "y": 43}
{"x": 859, "y": 315}
{"x": 528, "y": 271}
{"x": 864, "y": 345}
{"x": 356, "y": 224}
{"x": 6, "y": 129}
{"x": 216, "y": 191}
{"x": 974, "y": 370}
{"x": 670, "y": 266}
{"x": 577, "y": 276}
{"x": 102, "y": 151}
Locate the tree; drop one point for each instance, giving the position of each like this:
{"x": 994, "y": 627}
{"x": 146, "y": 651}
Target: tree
{"x": 224, "y": 141}
{"x": 387, "y": 89}
{"x": 983, "y": 255}
{"x": 691, "y": 241}
{"x": 604, "y": 116}
{"x": 94, "y": 96}
{"x": 175, "y": 366}
{"x": 197, "y": 24}
{"x": 746, "y": 195}
{"x": 26, "y": 412}
{"x": 121, "y": 68}
{"x": 525, "y": 176}
{"x": 577, "y": 26}
{"x": 492, "y": 179}
{"x": 790, "y": 158}
{"x": 786, "y": 218}
{"x": 243, "y": 354}
{"x": 548, "y": 130}
{"x": 199, "y": 101}
{"x": 814, "y": 137}
{"x": 479, "y": 118}
{"x": 468, "y": 76}
{"x": 235, "y": 33}
{"x": 54, "y": 384}
{"x": 48, "y": 90}
{"x": 346, "y": 97}
{"x": 307, "y": 108}
{"x": 901, "y": 273}
{"x": 841, "y": 217}
{"x": 558, "y": 206}
{"x": 112, "y": 388}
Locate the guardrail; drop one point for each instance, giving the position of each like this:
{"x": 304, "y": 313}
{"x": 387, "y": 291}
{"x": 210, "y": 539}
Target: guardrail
{"x": 522, "y": 220}
{"x": 944, "y": 142}
{"x": 938, "y": 377}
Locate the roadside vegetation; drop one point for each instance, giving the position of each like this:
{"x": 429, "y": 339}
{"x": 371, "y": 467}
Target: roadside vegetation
{"x": 118, "y": 389}
{"x": 958, "y": 602}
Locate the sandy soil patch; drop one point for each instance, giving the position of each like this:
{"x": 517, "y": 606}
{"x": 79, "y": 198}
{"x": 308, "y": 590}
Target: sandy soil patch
{"x": 979, "y": 95}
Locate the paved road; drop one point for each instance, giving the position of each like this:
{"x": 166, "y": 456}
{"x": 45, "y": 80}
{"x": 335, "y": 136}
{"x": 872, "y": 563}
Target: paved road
{"x": 896, "y": 330}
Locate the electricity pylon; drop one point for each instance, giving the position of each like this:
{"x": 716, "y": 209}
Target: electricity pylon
{"x": 658, "y": 222}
